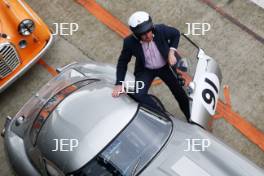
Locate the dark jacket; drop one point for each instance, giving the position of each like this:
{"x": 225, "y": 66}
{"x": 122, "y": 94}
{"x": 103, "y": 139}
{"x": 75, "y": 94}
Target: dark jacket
{"x": 164, "y": 37}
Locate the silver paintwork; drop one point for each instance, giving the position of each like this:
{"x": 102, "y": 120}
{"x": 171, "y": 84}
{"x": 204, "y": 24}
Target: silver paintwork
{"x": 216, "y": 160}
{"x": 102, "y": 71}
{"x": 91, "y": 115}
{"x": 16, "y": 151}
{"x": 29, "y": 65}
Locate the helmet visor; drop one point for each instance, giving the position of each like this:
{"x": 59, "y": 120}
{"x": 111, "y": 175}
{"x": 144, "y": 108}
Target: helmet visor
{"x": 143, "y": 28}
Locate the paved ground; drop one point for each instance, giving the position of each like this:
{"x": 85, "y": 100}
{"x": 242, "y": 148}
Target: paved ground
{"x": 240, "y": 56}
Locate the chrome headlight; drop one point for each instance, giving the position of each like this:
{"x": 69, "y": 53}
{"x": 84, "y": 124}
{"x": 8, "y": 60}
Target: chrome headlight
{"x": 26, "y": 27}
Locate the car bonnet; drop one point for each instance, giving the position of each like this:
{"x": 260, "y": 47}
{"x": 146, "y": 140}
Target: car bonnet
{"x": 91, "y": 118}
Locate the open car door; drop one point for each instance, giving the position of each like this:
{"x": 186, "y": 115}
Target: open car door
{"x": 204, "y": 88}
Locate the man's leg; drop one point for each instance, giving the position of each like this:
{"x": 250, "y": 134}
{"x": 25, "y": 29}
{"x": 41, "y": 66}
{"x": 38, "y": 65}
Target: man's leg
{"x": 141, "y": 95}
{"x": 171, "y": 81}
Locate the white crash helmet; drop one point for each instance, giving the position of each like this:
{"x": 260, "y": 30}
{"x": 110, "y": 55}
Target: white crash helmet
{"x": 140, "y": 22}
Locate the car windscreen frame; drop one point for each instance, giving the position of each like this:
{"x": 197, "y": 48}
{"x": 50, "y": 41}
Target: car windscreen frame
{"x": 141, "y": 161}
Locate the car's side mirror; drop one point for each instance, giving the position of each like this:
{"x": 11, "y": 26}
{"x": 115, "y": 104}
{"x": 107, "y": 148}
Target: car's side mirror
{"x": 182, "y": 64}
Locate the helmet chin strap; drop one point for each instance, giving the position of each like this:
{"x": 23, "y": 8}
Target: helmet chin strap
{"x": 153, "y": 30}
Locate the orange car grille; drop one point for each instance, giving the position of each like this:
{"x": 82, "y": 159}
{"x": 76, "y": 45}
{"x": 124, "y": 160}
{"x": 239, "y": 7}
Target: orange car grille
{"x": 8, "y": 59}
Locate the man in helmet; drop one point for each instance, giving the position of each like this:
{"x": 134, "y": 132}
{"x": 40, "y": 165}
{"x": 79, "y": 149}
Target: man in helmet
{"x": 154, "y": 47}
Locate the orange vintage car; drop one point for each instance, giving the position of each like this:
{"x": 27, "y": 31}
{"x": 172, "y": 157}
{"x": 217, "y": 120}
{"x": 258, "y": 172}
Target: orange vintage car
{"x": 24, "y": 37}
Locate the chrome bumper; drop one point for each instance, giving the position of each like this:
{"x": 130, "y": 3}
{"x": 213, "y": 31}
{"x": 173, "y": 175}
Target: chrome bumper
{"x": 29, "y": 65}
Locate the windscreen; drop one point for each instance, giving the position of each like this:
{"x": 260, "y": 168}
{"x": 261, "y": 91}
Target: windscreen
{"x": 189, "y": 52}
{"x": 130, "y": 151}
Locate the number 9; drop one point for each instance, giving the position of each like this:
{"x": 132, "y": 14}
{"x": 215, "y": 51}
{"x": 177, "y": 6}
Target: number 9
{"x": 208, "y": 97}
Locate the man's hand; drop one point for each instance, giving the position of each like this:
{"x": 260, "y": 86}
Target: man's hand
{"x": 171, "y": 58}
{"x": 117, "y": 90}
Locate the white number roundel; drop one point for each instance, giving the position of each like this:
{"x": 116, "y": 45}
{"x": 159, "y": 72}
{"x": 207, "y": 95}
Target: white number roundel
{"x": 208, "y": 91}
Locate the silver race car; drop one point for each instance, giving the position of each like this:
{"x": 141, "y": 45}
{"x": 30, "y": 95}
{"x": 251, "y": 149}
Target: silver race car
{"x": 74, "y": 127}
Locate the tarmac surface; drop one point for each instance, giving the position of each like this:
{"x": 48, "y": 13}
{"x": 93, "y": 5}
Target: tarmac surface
{"x": 240, "y": 56}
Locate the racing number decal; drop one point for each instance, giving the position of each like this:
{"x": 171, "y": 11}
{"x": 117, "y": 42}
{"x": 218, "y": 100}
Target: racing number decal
{"x": 208, "y": 95}
{"x": 209, "y": 92}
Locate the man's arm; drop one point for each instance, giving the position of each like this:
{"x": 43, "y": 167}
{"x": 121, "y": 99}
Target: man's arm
{"x": 121, "y": 68}
{"x": 173, "y": 35}
{"x": 123, "y": 60}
